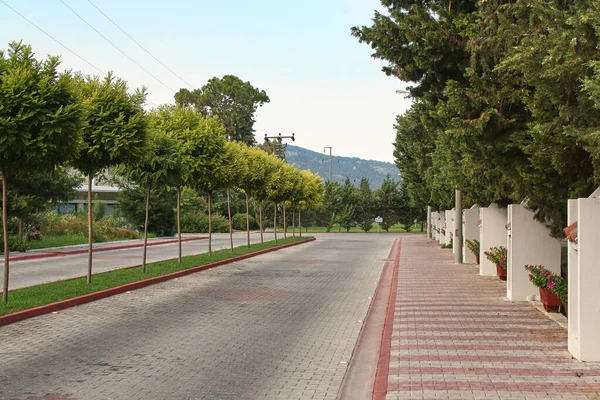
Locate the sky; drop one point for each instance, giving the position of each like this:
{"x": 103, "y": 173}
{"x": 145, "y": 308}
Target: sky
{"x": 323, "y": 85}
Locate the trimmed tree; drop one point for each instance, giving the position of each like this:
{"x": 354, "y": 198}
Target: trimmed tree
{"x": 40, "y": 122}
{"x": 115, "y": 134}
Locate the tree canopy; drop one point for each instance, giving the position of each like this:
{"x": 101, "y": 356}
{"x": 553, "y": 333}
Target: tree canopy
{"x": 232, "y": 100}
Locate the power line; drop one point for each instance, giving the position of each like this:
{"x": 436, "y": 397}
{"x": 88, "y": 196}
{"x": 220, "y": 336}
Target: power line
{"x": 53, "y": 38}
{"x": 115, "y": 46}
{"x": 140, "y": 45}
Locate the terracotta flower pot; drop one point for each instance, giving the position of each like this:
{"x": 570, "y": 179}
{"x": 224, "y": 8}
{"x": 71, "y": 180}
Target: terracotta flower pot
{"x": 501, "y": 272}
{"x": 550, "y": 300}
{"x": 477, "y": 259}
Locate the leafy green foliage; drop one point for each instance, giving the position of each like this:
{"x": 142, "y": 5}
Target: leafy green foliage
{"x": 162, "y": 218}
{"x": 364, "y": 206}
{"x": 232, "y": 100}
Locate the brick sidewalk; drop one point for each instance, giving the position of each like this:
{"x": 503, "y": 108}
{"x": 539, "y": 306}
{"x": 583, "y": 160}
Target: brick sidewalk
{"x": 455, "y": 335}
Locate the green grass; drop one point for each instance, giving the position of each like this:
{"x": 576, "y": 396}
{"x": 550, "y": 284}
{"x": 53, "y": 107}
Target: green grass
{"x": 65, "y": 240}
{"x": 356, "y": 229}
{"x": 34, "y": 296}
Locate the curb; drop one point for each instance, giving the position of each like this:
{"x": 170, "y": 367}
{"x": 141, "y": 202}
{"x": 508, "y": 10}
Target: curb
{"x": 88, "y": 298}
{"x": 99, "y": 249}
{"x": 359, "y": 380}
{"x": 383, "y": 366}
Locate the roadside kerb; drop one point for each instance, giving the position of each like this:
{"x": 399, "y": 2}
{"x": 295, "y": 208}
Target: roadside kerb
{"x": 359, "y": 381}
{"x": 99, "y": 249}
{"x": 88, "y": 298}
{"x": 383, "y": 367}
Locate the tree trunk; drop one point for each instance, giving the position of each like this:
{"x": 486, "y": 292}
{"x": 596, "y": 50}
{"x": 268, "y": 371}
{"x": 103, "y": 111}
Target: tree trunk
{"x": 5, "y": 231}
{"x": 230, "y": 225}
{"x": 21, "y": 232}
{"x": 294, "y": 222}
{"x": 284, "y": 223}
{"x": 146, "y": 231}
{"x": 300, "y": 221}
{"x": 275, "y": 221}
{"x": 248, "y": 219}
{"x": 209, "y": 225}
{"x": 90, "y": 229}
{"x": 260, "y": 207}
{"x": 179, "y": 223}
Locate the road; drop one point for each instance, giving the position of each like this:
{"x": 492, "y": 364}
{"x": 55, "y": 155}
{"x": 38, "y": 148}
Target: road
{"x": 277, "y": 326}
{"x": 32, "y": 272}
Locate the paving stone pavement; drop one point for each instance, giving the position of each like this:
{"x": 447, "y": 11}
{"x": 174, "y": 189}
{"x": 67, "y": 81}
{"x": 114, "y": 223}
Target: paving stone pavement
{"x": 271, "y": 327}
{"x": 456, "y": 336}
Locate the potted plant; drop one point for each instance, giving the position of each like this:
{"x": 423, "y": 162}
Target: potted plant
{"x": 547, "y": 282}
{"x": 561, "y": 290}
{"x": 497, "y": 255}
{"x": 473, "y": 245}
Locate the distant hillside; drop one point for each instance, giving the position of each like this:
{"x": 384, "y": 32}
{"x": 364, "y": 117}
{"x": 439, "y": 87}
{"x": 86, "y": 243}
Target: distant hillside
{"x": 351, "y": 167}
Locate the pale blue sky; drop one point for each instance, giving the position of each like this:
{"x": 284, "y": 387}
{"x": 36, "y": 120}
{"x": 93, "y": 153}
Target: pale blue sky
{"x": 322, "y": 83}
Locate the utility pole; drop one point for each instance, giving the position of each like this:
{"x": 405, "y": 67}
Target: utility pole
{"x": 330, "y": 160}
{"x": 278, "y": 146}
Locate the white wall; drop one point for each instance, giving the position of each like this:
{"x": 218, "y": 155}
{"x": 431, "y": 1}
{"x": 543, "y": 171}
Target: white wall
{"x": 493, "y": 234}
{"x": 584, "y": 280}
{"x": 442, "y": 226}
{"x": 529, "y": 243}
{"x": 470, "y": 232}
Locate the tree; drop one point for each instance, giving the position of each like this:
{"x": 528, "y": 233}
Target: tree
{"x": 159, "y": 166}
{"x": 262, "y": 166}
{"x": 312, "y": 194}
{"x": 40, "y": 122}
{"x": 346, "y": 217}
{"x": 330, "y": 205}
{"x": 237, "y": 172}
{"x": 34, "y": 191}
{"x": 387, "y": 202}
{"x": 364, "y": 206}
{"x": 234, "y": 101}
{"x": 115, "y": 133}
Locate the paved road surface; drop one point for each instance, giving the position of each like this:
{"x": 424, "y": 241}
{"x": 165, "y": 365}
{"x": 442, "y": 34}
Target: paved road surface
{"x": 272, "y": 327}
{"x": 33, "y": 272}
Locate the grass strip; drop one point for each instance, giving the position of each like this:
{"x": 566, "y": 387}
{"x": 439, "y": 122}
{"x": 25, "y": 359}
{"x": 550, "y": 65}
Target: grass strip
{"x": 35, "y": 296}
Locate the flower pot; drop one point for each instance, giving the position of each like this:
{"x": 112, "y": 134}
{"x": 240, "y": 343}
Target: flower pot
{"x": 477, "y": 259}
{"x": 501, "y": 272}
{"x": 550, "y": 300}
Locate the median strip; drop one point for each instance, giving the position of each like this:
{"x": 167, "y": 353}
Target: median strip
{"x": 50, "y": 297}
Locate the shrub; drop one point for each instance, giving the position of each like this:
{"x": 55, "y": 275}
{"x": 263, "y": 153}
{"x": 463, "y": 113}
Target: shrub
{"x": 197, "y": 222}
{"x": 545, "y": 279}
{"x": 162, "y": 218}
{"x": 14, "y": 244}
{"x": 98, "y": 210}
{"x": 474, "y": 246}
{"x": 497, "y": 255}
{"x": 239, "y": 222}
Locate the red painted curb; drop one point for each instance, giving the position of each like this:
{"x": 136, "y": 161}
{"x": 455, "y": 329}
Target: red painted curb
{"x": 97, "y": 250}
{"x": 383, "y": 367}
{"x": 88, "y": 298}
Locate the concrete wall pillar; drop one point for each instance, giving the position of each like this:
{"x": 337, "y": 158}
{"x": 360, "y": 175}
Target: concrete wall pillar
{"x": 529, "y": 243}
{"x": 449, "y": 226}
{"x": 493, "y": 234}
{"x": 470, "y": 232}
{"x": 584, "y": 280}
{"x": 442, "y": 227}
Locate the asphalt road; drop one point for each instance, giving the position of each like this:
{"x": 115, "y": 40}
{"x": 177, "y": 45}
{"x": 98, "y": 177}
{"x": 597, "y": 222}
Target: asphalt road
{"x": 32, "y": 272}
{"x": 278, "y": 326}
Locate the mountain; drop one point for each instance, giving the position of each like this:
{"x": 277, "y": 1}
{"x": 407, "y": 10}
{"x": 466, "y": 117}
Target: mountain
{"x": 342, "y": 167}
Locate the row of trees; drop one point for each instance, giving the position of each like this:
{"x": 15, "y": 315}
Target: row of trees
{"x": 350, "y": 206}
{"x": 506, "y": 99}
{"x": 51, "y": 120}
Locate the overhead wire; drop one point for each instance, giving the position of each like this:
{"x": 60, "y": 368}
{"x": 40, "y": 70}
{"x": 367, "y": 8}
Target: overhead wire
{"x": 139, "y": 44}
{"x": 53, "y": 38}
{"x": 116, "y": 47}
